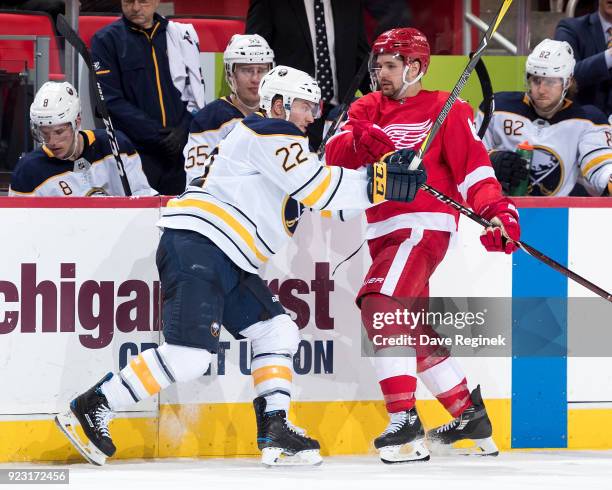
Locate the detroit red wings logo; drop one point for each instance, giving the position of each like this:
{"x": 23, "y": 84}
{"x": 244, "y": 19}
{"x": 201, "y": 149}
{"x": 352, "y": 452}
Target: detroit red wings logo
{"x": 408, "y": 135}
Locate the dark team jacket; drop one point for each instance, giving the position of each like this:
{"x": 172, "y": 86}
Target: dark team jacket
{"x": 133, "y": 70}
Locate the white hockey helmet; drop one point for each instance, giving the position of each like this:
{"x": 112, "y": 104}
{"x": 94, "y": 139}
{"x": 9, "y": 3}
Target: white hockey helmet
{"x": 55, "y": 103}
{"x": 290, "y": 84}
{"x": 552, "y": 59}
{"x": 247, "y": 49}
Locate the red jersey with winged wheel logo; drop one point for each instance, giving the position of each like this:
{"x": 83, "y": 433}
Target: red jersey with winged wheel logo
{"x": 457, "y": 163}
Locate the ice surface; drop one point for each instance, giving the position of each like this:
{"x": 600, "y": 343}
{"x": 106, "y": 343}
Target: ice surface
{"x": 515, "y": 470}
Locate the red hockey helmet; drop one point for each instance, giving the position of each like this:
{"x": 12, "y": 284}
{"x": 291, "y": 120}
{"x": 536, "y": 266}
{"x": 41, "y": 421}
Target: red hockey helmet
{"x": 406, "y": 41}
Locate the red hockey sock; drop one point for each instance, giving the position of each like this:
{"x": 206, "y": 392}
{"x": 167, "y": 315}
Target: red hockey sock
{"x": 457, "y": 399}
{"x": 399, "y": 393}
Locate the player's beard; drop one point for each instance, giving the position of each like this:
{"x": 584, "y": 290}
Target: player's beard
{"x": 547, "y": 107}
{"x": 388, "y": 89}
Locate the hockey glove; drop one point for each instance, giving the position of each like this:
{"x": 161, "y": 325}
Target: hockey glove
{"x": 371, "y": 142}
{"x": 509, "y": 169}
{"x": 172, "y": 142}
{"x": 501, "y": 237}
{"x": 392, "y": 180}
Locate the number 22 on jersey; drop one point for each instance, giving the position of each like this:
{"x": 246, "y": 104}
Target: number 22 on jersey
{"x": 292, "y": 156}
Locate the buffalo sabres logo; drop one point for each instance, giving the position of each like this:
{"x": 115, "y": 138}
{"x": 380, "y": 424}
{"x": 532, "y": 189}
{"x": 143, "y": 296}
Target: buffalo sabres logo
{"x": 96, "y": 65}
{"x": 70, "y": 91}
{"x": 292, "y": 211}
{"x": 408, "y": 135}
{"x": 96, "y": 191}
{"x": 547, "y": 171}
{"x": 282, "y": 72}
{"x": 215, "y": 329}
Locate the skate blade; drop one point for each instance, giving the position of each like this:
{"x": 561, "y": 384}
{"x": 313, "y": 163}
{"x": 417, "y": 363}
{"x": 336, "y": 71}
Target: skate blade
{"x": 274, "y": 456}
{"x": 481, "y": 447}
{"x": 393, "y": 454}
{"x": 68, "y": 423}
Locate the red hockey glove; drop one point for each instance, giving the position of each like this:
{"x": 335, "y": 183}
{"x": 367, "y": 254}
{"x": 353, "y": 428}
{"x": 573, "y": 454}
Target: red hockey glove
{"x": 371, "y": 142}
{"x": 501, "y": 237}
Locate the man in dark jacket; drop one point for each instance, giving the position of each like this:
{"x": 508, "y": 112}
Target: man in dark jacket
{"x": 324, "y": 38}
{"x": 591, "y": 38}
{"x": 131, "y": 61}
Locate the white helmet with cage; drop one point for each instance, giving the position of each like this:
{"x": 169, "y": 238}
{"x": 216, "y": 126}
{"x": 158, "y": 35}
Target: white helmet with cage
{"x": 552, "y": 59}
{"x": 55, "y": 103}
{"x": 247, "y": 49}
{"x": 290, "y": 84}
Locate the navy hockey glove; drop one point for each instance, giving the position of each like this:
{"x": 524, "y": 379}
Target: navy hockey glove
{"x": 172, "y": 142}
{"x": 509, "y": 169}
{"x": 391, "y": 179}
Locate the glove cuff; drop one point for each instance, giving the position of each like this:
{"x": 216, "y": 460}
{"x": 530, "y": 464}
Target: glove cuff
{"x": 386, "y": 155}
{"x": 500, "y": 207}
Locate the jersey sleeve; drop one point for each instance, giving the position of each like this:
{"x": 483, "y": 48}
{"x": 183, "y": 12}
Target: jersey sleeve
{"x": 23, "y": 181}
{"x": 206, "y": 131}
{"x": 287, "y": 161}
{"x": 487, "y": 139}
{"x": 139, "y": 185}
{"x": 595, "y": 156}
{"x": 468, "y": 159}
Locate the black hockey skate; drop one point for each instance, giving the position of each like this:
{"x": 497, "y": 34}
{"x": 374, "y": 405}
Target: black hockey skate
{"x": 91, "y": 411}
{"x": 472, "y": 424}
{"x": 404, "y": 430}
{"x": 279, "y": 442}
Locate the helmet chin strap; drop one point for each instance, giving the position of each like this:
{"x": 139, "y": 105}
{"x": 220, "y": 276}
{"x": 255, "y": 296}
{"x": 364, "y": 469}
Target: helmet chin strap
{"x": 249, "y": 107}
{"x": 551, "y": 112}
{"x": 398, "y": 95}
{"x": 75, "y": 145}
{"x": 232, "y": 83}
{"x": 287, "y": 111}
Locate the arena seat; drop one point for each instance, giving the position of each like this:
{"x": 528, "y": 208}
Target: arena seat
{"x": 90, "y": 24}
{"x": 27, "y": 23}
{"x": 214, "y": 34}
{"x": 228, "y": 8}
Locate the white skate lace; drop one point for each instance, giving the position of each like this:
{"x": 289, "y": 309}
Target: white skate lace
{"x": 450, "y": 425}
{"x": 294, "y": 428}
{"x": 453, "y": 423}
{"x": 102, "y": 418}
{"x": 398, "y": 419}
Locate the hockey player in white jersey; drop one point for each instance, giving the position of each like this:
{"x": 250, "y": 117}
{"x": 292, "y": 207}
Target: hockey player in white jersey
{"x": 217, "y": 234}
{"x": 571, "y": 143}
{"x": 247, "y": 58}
{"x": 72, "y": 162}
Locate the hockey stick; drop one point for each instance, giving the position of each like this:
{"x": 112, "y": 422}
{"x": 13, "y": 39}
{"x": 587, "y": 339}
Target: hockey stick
{"x": 346, "y": 102}
{"x": 73, "y": 39}
{"x": 460, "y": 84}
{"x": 468, "y": 212}
{"x": 536, "y": 254}
{"x": 487, "y": 96}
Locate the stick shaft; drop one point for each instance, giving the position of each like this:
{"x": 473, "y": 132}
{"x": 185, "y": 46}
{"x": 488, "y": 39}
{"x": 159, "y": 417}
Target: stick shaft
{"x": 536, "y": 254}
{"x": 416, "y": 161}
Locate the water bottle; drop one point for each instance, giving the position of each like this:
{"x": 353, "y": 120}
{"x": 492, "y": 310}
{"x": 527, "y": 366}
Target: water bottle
{"x": 525, "y": 151}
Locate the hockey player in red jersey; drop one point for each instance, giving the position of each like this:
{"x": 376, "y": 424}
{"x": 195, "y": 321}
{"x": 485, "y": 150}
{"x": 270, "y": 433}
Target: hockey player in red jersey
{"x": 408, "y": 241}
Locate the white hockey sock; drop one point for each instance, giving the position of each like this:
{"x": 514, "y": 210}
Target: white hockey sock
{"x": 152, "y": 371}
{"x": 277, "y": 401}
{"x": 117, "y": 394}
